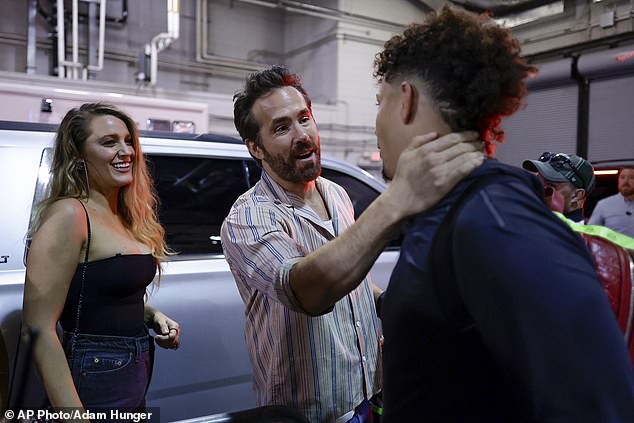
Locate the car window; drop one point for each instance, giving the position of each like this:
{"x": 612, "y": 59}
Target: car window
{"x": 42, "y": 188}
{"x": 195, "y": 197}
{"x": 360, "y": 194}
{"x": 254, "y": 172}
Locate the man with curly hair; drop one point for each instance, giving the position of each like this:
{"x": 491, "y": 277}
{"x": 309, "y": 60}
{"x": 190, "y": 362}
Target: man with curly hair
{"x": 494, "y": 312}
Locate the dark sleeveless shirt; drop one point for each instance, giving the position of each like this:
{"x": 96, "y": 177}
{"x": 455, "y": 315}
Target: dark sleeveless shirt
{"x": 112, "y": 295}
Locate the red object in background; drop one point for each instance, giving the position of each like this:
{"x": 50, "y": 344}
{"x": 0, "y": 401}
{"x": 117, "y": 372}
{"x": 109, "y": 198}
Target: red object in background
{"x": 612, "y": 264}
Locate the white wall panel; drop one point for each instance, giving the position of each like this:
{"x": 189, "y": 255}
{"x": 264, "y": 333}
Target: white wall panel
{"x": 548, "y": 123}
{"x": 356, "y": 85}
{"x": 611, "y": 129}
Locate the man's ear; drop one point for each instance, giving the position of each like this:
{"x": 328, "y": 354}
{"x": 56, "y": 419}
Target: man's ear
{"x": 254, "y": 149}
{"x": 578, "y": 198}
{"x": 409, "y": 101}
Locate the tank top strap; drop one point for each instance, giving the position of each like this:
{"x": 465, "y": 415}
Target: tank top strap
{"x": 88, "y": 226}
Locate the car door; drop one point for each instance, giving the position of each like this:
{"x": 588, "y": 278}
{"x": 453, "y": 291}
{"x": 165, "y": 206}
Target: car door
{"x": 210, "y": 373}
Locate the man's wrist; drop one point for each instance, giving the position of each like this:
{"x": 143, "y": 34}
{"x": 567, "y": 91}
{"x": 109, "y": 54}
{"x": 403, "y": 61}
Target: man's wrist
{"x": 389, "y": 206}
{"x": 148, "y": 315}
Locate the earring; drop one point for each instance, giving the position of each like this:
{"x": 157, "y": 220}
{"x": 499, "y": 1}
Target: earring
{"x": 81, "y": 166}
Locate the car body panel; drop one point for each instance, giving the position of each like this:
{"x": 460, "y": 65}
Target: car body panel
{"x": 210, "y": 372}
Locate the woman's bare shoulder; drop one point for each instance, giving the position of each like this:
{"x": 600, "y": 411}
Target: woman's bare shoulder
{"x": 66, "y": 212}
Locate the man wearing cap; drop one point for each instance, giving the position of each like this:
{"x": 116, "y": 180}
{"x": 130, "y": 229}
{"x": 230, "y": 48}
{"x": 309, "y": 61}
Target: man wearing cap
{"x": 568, "y": 179}
{"x": 617, "y": 211}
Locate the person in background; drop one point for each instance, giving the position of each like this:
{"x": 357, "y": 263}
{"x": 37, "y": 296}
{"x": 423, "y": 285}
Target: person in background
{"x": 301, "y": 263}
{"x": 566, "y": 176}
{"x": 494, "y": 312}
{"x": 96, "y": 246}
{"x": 610, "y": 250}
{"x": 617, "y": 211}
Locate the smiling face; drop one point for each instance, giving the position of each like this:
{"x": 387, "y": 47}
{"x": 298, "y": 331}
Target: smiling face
{"x": 109, "y": 153}
{"x": 289, "y": 143}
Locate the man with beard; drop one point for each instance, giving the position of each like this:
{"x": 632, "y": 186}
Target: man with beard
{"x": 617, "y": 211}
{"x": 301, "y": 263}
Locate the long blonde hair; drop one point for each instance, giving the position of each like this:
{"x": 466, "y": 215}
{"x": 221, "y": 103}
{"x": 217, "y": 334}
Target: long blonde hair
{"x": 137, "y": 202}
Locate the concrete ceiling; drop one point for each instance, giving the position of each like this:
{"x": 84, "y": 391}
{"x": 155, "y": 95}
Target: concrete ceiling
{"x": 498, "y": 8}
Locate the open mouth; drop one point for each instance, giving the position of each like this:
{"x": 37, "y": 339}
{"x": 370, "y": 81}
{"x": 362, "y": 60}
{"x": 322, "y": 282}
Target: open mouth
{"x": 305, "y": 155}
{"x": 122, "y": 166}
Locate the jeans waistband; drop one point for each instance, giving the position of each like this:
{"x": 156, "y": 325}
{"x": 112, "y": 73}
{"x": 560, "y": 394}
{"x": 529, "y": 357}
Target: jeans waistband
{"x": 345, "y": 418}
{"x": 362, "y": 413}
{"x": 87, "y": 342}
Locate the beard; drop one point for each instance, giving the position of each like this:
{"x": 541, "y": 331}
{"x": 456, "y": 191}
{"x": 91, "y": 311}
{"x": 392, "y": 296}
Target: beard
{"x": 626, "y": 190}
{"x": 287, "y": 167}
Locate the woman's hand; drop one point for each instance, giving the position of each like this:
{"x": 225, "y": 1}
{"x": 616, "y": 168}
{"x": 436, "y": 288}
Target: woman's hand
{"x": 167, "y": 330}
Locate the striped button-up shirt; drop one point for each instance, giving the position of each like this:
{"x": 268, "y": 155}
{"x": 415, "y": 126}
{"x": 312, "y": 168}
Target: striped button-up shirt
{"x": 322, "y": 365}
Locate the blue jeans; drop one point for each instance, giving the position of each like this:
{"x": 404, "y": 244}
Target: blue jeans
{"x": 367, "y": 411}
{"x": 110, "y": 372}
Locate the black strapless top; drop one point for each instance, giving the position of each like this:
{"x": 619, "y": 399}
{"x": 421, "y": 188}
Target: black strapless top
{"x": 112, "y": 295}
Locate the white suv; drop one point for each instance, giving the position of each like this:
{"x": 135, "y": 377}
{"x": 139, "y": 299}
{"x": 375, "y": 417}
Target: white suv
{"x": 197, "y": 179}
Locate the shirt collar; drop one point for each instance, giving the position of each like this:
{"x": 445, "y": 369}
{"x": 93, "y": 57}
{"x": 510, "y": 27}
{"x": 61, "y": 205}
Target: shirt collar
{"x": 281, "y": 196}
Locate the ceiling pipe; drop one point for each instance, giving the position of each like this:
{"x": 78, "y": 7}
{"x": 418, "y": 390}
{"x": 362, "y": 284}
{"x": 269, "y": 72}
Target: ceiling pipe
{"x": 31, "y": 39}
{"x": 75, "y": 35}
{"x": 102, "y": 40}
{"x": 75, "y": 65}
{"x": 220, "y": 62}
{"x": 62, "y": 63}
{"x": 202, "y": 36}
{"x": 102, "y": 37}
{"x": 163, "y": 40}
{"x": 328, "y": 13}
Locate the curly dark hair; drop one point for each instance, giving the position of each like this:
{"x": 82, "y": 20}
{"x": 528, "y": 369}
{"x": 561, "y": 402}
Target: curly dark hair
{"x": 257, "y": 85}
{"x": 469, "y": 65}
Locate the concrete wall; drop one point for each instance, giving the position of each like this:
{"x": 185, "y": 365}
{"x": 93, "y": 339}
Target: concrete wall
{"x": 334, "y": 56}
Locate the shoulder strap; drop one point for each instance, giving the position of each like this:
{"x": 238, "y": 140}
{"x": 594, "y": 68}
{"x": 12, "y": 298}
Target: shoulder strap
{"x": 84, "y": 266}
{"x": 444, "y": 276}
{"x": 88, "y": 226}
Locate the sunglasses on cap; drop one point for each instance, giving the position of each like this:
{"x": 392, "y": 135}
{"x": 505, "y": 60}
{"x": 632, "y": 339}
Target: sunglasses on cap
{"x": 558, "y": 161}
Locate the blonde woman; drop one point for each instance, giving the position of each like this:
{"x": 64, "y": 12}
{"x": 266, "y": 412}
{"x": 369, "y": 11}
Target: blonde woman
{"x": 95, "y": 248}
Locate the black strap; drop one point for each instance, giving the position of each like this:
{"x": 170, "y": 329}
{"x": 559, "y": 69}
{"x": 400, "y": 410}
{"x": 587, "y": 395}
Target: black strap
{"x": 441, "y": 252}
{"x": 89, "y": 232}
{"x": 84, "y": 267}
{"x": 21, "y": 366}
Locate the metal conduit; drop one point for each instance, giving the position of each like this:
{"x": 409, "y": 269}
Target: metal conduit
{"x": 328, "y": 13}
{"x": 75, "y": 65}
{"x": 203, "y": 56}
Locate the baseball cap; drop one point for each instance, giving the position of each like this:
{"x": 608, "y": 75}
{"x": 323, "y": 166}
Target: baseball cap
{"x": 562, "y": 167}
